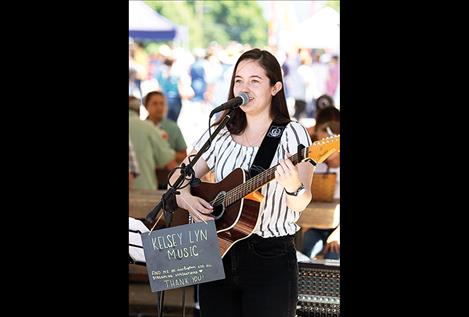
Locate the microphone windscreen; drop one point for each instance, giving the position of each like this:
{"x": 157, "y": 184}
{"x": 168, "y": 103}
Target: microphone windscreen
{"x": 245, "y": 98}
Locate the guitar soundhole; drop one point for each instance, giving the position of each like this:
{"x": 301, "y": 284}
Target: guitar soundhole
{"x": 219, "y": 206}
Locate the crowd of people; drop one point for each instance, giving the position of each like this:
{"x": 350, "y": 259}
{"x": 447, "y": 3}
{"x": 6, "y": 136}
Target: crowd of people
{"x": 203, "y": 75}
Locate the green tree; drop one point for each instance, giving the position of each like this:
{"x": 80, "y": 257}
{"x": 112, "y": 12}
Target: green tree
{"x": 219, "y": 21}
{"x": 242, "y": 21}
{"x": 180, "y": 13}
{"x": 334, "y": 4}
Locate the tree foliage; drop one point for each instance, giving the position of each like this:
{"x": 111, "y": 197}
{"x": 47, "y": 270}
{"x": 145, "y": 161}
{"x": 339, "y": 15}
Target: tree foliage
{"x": 180, "y": 13}
{"x": 334, "y": 4}
{"x": 242, "y": 21}
{"x": 220, "y": 21}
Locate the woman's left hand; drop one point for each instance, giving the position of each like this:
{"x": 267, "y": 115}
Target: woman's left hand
{"x": 287, "y": 175}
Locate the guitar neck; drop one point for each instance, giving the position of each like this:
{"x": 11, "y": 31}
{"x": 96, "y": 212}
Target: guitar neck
{"x": 254, "y": 183}
{"x": 317, "y": 152}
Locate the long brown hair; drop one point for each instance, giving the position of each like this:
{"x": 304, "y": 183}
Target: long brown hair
{"x": 278, "y": 109}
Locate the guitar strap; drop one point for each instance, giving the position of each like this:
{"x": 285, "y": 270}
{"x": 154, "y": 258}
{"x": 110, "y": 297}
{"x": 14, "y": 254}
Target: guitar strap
{"x": 266, "y": 151}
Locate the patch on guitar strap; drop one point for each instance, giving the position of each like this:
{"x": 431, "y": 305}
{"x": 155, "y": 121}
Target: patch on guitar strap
{"x": 266, "y": 151}
{"x": 275, "y": 131}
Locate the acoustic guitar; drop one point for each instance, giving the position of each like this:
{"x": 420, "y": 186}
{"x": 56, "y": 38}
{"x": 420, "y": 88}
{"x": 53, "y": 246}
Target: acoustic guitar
{"x": 236, "y": 201}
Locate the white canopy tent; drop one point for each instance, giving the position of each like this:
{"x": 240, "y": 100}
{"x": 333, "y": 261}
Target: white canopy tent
{"x": 322, "y": 30}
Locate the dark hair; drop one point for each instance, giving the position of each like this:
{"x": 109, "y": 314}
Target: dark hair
{"x": 149, "y": 95}
{"x": 324, "y": 115}
{"x": 278, "y": 109}
{"x": 168, "y": 61}
{"x": 334, "y": 127}
{"x": 324, "y": 101}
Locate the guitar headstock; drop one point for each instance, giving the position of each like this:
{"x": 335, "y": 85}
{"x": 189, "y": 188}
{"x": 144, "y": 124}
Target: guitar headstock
{"x": 322, "y": 149}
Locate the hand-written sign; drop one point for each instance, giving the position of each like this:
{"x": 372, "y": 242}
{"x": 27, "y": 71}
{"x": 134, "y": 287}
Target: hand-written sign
{"x": 183, "y": 255}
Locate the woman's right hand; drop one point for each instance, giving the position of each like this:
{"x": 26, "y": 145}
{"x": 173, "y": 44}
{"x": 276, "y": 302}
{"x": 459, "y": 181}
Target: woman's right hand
{"x": 197, "y": 207}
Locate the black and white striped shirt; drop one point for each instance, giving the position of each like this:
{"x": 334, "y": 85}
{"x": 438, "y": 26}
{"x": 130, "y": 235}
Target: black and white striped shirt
{"x": 225, "y": 155}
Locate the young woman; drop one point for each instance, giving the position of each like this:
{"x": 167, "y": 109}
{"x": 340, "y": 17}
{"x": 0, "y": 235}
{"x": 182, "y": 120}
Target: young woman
{"x": 261, "y": 270}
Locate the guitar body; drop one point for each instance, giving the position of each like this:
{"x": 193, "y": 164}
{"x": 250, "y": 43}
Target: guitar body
{"x": 234, "y": 222}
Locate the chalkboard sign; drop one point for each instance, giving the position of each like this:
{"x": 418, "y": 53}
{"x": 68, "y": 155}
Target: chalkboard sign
{"x": 182, "y": 255}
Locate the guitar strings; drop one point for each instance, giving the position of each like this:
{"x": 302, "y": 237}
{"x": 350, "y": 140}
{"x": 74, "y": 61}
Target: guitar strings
{"x": 250, "y": 185}
{"x": 239, "y": 191}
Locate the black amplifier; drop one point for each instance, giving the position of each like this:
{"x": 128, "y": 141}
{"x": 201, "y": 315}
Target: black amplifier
{"x": 319, "y": 288}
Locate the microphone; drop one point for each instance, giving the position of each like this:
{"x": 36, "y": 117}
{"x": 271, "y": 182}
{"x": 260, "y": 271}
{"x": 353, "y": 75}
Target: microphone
{"x": 233, "y": 103}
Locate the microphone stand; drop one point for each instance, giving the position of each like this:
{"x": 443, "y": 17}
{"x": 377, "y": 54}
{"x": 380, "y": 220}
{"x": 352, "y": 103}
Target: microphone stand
{"x": 168, "y": 204}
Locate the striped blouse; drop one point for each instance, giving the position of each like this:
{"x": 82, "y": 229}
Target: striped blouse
{"x": 225, "y": 155}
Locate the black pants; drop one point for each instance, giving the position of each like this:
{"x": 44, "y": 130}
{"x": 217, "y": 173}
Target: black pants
{"x": 261, "y": 281}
